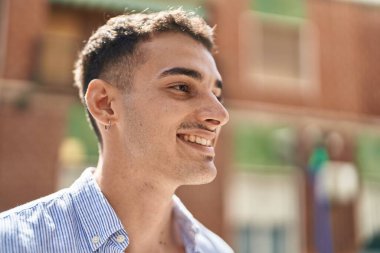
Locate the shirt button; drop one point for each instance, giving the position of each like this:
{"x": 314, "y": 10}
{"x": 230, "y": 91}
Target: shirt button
{"x": 120, "y": 238}
{"x": 95, "y": 239}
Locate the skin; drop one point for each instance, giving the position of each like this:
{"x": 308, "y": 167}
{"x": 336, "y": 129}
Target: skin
{"x": 174, "y": 92}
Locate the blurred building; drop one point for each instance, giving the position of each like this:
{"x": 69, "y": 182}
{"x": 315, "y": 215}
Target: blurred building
{"x": 301, "y": 74}
{"x": 298, "y": 75}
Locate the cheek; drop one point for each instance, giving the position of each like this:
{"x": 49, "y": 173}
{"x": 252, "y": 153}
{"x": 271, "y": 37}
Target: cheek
{"x": 147, "y": 123}
{"x": 154, "y": 118}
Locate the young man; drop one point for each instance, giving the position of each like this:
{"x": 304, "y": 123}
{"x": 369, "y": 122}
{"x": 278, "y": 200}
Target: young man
{"x": 152, "y": 92}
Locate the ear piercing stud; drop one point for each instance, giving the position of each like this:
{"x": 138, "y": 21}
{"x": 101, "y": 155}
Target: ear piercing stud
{"x": 107, "y": 127}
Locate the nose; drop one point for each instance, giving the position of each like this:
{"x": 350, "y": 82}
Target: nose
{"x": 212, "y": 113}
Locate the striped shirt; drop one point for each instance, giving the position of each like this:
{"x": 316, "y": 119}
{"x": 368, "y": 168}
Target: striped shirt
{"x": 80, "y": 219}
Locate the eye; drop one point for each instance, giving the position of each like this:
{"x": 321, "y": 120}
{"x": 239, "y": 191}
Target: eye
{"x": 182, "y": 87}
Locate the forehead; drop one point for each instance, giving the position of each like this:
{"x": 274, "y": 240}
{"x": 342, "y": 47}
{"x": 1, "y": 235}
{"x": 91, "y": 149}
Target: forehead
{"x": 170, "y": 50}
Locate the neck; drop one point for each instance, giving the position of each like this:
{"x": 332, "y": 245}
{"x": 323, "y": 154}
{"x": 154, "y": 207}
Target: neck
{"x": 142, "y": 204}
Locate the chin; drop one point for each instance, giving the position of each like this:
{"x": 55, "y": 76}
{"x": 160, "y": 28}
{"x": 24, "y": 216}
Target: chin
{"x": 201, "y": 175}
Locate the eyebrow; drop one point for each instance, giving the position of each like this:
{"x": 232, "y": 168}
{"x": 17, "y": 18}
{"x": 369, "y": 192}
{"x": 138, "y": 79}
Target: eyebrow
{"x": 190, "y": 73}
{"x": 182, "y": 71}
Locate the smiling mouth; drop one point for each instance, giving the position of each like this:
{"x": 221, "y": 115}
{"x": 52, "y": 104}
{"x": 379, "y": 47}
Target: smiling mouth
{"x": 195, "y": 139}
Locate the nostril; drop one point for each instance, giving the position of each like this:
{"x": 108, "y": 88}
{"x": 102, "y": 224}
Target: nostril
{"x": 213, "y": 121}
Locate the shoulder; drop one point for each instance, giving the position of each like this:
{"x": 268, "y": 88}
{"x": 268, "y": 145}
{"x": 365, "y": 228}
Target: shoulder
{"x": 59, "y": 200}
{"x": 23, "y": 228}
{"x": 209, "y": 242}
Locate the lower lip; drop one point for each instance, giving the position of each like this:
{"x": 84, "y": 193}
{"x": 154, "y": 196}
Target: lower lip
{"x": 208, "y": 151}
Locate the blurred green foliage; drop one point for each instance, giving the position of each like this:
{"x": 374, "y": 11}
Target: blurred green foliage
{"x": 368, "y": 155}
{"x": 292, "y": 8}
{"x": 79, "y": 128}
{"x": 263, "y": 147}
{"x": 138, "y": 5}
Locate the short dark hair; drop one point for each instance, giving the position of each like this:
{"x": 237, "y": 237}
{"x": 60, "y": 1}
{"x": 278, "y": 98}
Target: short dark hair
{"x": 111, "y": 52}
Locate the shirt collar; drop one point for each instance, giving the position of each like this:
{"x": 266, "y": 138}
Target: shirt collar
{"x": 187, "y": 225}
{"x": 98, "y": 219}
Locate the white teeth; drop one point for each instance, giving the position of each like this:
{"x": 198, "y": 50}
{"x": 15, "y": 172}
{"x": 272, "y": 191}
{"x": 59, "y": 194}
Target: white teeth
{"x": 197, "y": 139}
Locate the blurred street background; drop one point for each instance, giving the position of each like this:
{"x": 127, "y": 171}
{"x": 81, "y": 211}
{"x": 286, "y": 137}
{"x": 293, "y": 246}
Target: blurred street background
{"x": 299, "y": 162}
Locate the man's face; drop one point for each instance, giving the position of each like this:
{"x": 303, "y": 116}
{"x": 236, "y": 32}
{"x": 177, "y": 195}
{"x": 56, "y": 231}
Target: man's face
{"x": 172, "y": 115}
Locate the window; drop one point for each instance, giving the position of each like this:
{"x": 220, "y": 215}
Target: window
{"x": 264, "y": 211}
{"x": 278, "y": 51}
{"x": 263, "y": 194}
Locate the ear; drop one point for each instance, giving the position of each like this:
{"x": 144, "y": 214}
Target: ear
{"x": 100, "y": 100}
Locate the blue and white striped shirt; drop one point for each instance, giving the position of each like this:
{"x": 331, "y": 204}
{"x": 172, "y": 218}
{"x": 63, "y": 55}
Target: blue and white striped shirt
{"x": 80, "y": 219}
